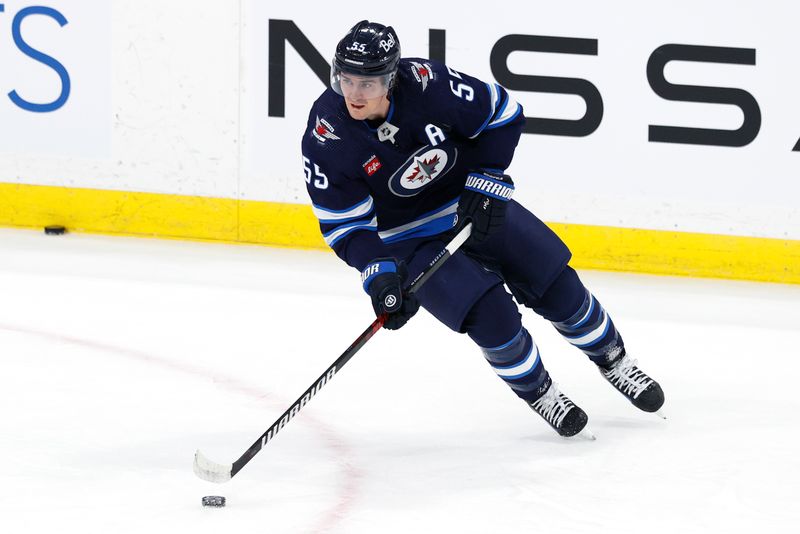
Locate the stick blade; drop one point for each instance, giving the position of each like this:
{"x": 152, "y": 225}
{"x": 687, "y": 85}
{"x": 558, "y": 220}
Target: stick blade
{"x": 211, "y": 471}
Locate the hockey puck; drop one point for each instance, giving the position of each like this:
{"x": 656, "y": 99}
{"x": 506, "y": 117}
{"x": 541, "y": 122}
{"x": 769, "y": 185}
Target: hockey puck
{"x": 55, "y": 229}
{"x": 216, "y": 501}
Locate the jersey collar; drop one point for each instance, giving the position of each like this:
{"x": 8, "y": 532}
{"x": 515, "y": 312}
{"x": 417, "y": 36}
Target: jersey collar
{"x": 387, "y": 119}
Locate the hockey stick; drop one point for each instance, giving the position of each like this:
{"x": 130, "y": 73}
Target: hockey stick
{"x": 214, "y": 472}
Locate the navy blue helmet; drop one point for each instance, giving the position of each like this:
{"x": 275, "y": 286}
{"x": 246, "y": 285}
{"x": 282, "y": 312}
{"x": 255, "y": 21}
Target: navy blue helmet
{"x": 369, "y": 50}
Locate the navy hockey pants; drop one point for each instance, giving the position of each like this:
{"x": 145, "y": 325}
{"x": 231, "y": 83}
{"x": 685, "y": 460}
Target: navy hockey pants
{"x": 467, "y": 295}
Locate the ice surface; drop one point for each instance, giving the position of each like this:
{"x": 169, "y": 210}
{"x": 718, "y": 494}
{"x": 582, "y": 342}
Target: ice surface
{"x": 120, "y": 357}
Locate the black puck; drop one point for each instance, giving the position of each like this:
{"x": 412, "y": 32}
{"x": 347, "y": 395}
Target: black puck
{"x": 216, "y": 501}
{"x": 55, "y": 229}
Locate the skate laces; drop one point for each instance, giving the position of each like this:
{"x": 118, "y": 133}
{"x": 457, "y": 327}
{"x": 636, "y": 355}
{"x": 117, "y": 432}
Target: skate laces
{"x": 553, "y": 405}
{"x": 627, "y": 378}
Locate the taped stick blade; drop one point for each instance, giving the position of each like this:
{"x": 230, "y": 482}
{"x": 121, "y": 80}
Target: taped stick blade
{"x": 211, "y": 471}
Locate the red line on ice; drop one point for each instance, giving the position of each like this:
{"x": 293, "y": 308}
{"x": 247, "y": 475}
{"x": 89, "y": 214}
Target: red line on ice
{"x": 329, "y": 518}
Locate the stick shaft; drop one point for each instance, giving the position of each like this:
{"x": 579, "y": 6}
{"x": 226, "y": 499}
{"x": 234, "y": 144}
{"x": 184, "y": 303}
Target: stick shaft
{"x": 340, "y": 362}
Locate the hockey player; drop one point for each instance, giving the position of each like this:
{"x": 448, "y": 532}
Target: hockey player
{"x": 400, "y": 152}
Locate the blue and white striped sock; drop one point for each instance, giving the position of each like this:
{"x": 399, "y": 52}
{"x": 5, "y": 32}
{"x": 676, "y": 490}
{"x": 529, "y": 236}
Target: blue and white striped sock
{"x": 592, "y": 330}
{"x": 518, "y": 363}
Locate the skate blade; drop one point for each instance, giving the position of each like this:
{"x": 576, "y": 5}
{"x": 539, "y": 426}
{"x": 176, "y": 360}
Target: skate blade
{"x": 660, "y": 414}
{"x": 586, "y": 434}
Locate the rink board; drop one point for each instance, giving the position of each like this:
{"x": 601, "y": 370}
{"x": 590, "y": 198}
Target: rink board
{"x": 679, "y": 121}
{"x": 279, "y": 224}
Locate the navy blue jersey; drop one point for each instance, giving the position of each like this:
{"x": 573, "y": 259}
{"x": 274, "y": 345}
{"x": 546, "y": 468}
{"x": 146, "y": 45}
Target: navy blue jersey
{"x": 377, "y": 184}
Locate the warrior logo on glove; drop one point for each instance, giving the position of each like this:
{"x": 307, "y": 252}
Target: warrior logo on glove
{"x": 492, "y": 186}
{"x": 484, "y": 201}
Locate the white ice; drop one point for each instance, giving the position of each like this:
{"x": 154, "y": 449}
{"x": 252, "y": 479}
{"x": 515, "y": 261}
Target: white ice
{"x": 121, "y": 356}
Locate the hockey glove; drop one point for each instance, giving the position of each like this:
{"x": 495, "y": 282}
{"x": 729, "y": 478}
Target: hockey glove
{"x": 383, "y": 280}
{"x": 484, "y": 200}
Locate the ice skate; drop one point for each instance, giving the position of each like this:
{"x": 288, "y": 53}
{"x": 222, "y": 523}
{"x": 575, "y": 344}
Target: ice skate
{"x": 561, "y": 413}
{"x": 644, "y": 392}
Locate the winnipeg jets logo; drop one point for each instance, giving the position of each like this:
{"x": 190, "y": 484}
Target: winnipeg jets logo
{"x": 425, "y": 169}
{"x": 426, "y": 166}
{"x": 324, "y": 131}
{"x": 423, "y": 73}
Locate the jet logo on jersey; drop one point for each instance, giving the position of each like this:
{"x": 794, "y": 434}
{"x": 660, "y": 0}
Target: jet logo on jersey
{"x": 372, "y": 165}
{"x": 423, "y": 73}
{"x": 324, "y": 131}
{"x": 422, "y": 168}
{"x": 425, "y": 169}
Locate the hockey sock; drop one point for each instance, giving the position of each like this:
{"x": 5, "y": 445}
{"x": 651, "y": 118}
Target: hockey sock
{"x": 592, "y": 330}
{"x": 518, "y": 363}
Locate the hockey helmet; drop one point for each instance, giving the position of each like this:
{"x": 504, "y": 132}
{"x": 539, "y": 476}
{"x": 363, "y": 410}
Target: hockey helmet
{"x": 366, "y": 58}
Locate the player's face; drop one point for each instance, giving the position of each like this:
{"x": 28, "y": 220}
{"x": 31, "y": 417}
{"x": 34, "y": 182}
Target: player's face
{"x": 365, "y": 96}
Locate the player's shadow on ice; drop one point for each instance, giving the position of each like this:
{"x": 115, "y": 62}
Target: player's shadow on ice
{"x": 639, "y": 422}
{"x": 604, "y": 429}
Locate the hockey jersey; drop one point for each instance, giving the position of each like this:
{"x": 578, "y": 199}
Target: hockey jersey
{"x": 373, "y": 184}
